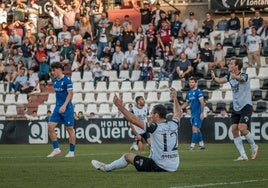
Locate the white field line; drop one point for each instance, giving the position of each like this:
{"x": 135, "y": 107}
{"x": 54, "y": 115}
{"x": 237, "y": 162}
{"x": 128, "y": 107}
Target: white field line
{"x": 219, "y": 184}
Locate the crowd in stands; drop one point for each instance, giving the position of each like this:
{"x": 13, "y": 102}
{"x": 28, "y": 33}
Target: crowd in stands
{"x": 80, "y": 35}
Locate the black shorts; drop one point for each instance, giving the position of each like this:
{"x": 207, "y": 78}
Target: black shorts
{"x": 145, "y": 164}
{"x": 242, "y": 116}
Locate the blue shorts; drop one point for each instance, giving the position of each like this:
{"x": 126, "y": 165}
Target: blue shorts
{"x": 196, "y": 122}
{"x": 67, "y": 117}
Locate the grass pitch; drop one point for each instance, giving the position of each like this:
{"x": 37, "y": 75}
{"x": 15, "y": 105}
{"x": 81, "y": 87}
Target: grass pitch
{"x": 26, "y": 166}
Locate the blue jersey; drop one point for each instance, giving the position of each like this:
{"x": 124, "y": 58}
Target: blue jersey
{"x": 193, "y": 97}
{"x": 61, "y": 87}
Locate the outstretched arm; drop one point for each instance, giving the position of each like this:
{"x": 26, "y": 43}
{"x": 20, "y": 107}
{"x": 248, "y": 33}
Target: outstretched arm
{"x": 128, "y": 115}
{"x": 177, "y": 107}
{"x": 218, "y": 80}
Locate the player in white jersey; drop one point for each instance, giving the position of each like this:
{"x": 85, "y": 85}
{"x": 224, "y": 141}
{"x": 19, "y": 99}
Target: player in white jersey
{"x": 254, "y": 47}
{"x": 141, "y": 112}
{"x": 164, "y": 154}
{"x": 242, "y": 107}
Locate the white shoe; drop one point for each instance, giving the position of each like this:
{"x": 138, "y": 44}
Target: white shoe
{"x": 134, "y": 147}
{"x": 98, "y": 165}
{"x": 242, "y": 158}
{"x": 254, "y": 152}
{"x": 69, "y": 155}
{"x": 55, "y": 153}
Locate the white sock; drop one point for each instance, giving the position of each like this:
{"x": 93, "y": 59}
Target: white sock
{"x": 119, "y": 163}
{"x": 57, "y": 149}
{"x": 201, "y": 143}
{"x": 239, "y": 145}
{"x": 192, "y": 145}
{"x": 250, "y": 140}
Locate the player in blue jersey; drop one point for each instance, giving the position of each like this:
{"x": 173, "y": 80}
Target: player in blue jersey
{"x": 63, "y": 112}
{"x": 195, "y": 99}
{"x": 164, "y": 154}
{"x": 242, "y": 107}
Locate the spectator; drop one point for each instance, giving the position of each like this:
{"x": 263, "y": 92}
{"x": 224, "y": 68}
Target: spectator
{"x": 106, "y": 66}
{"x": 163, "y": 18}
{"x": 54, "y": 54}
{"x": 257, "y": 20}
{"x": 117, "y": 60}
{"x": 220, "y": 29}
{"x": 69, "y": 14}
{"x": 85, "y": 29}
{"x": 128, "y": 37}
{"x": 145, "y": 12}
{"x": 127, "y": 23}
{"x": 3, "y": 13}
{"x": 164, "y": 36}
{"x": 67, "y": 52}
{"x": 90, "y": 59}
{"x": 2, "y": 73}
{"x": 44, "y": 70}
{"x": 27, "y": 50}
{"x": 155, "y": 15}
{"x": 80, "y": 116}
{"x": 190, "y": 37}
{"x": 19, "y": 82}
{"x": 32, "y": 83}
{"x": 151, "y": 36}
{"x": 79, "y": 63}
{"x": 189, "y": 24}
{"x": 14, "y": 39}
{"x": 263, "y": 33}
{"x": 219, "y": 58}
{"x": 206, "y": 57}
{"x": 32, "y": 117}
{"x": 254, "y": 48}
{"x": 207, "y": 26}
{"x": 129, "y": 59}
{"x": 146, "y": 68}
{"x": 192, "y": 53}
{"x": 49, "y": 44}
{"x": 51, "y": 35}
{"x": 176, "y": 26}
{"x": 48, "y": 115}
{"x": 33, "y": 13}
{"x": 246, "y": 33}
{"x": 97, "y": 73}
{"x": 139, "y": 59}
{"x": 168, "y": 69}
{"x": 10, "y": 71}
{"x": 4, "y": 38}
{"x": 233, "y": 27}
{"x": 187, "y": 113}
{"x": 57, "y": 20}
{"x": 184, "y": 67}
{"x": 64, "y": 34}
{"x": 19, "y": 11}
{"x": 223, "y": 113}
{"x": 140, "y": 40}
{"x": 178, "y": 46}
{"x": 16, "y": 56}
{"x": 77, "y": 40}
{"x": 115, "y": 29}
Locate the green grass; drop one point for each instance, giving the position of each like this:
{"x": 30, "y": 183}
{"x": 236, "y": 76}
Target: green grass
{"x": 26, "y": 166}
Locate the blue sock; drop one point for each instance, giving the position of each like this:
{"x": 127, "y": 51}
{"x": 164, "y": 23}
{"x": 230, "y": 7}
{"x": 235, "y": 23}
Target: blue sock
{"x": 200, "y": 137}
{"x": 194, "y": 137}
{"x": 55, "y": 144}
{"x": 72, "y": 147}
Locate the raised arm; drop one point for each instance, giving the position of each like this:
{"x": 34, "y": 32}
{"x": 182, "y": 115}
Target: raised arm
{"x": 218, "y": 80}
{"x": 128, "y": 115}
{"x": 176, "y": 106}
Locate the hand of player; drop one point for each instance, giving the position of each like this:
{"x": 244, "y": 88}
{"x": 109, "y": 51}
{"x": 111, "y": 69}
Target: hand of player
{"x": 213, "y": 75}
{"x": 62, "y": 109}
{"x": 118, "y": 101}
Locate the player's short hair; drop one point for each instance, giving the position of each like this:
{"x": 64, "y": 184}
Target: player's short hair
{"x": 56, "y": 65}
{"x": 161, "y": 110}
{"x": 238, "y": 62}
{"x": 138, "y": 98}
{"x": 193, "y": 78}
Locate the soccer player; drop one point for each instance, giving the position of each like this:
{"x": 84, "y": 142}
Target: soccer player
{"x": 141, "y": 112}
{"x": 195, "y": 99}
{"x": 63, "y": 110}
{"x": 164, "y": 154}
{"x": 242, "y": 107}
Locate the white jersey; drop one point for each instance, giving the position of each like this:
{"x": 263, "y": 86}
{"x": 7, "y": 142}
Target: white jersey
{"x": 142, "y": 114}
{"x": 253, "y": 43}
{"x": 164, "y": 148}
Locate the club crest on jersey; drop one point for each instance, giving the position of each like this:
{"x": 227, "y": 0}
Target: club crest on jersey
{"x": 246, "y": 118}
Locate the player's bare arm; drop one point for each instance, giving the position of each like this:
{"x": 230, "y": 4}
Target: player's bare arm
{"x": 216, "y": 79}
{"x": 68, "y": 99}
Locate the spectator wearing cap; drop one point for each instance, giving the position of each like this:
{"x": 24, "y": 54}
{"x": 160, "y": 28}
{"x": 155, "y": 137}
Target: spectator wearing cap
{"x": 69, "y": 14}
{"x": 218, "y": 31}
{"x": 246, "y": 32}
{"x": 253, "y": 44}
{"x": 168, "y": 69}
{"x": 32, "y": 82}
{"x": 206, "y": 57}
{"x": 263, "y": 33}
{"x": 129, "y": 58}
{"x": 145, "y": 12}
{"x": 189, "y": 24}
{"x": 233, "y": 27}
{"x": 156, "y": 14}
{"x": 19, "y": 82}
{"x": 27, "y": 49}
